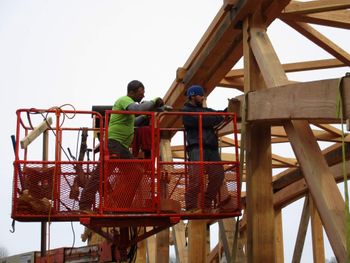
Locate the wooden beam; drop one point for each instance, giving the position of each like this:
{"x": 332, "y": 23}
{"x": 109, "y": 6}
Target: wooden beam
{"x": 218, "y": 51}
{"x": 315, "y": 101}
{"x": 321, "y": 183}
{"x": 303, "y": 225}
{"x": 162, "y": 238}
{"x": 197, "y": 241}
{"x": 267, "y": 59}
{"x": 279, "y": 236}
{"x": 320, "y": 40}
{"x": 339, "y": 18}
{"x": 234, "y": 83}
{"x": 225, "y": 239}
{"x": 260, "y": 212}
{"x": 141, "y": 256}
{"x": 298, "y": 189}
{"x": 317, "y": 235}
{"x": 42, "y": 127}
{"x": 332, "y": 155}
{"x": 286, "y": 161}
{"x": 203, "y": 52}
{"x": 151, "y": 247}
{"x": 296, "y": 66}
{"x": 180, "y": 242}
{"x": 297, "y": 7}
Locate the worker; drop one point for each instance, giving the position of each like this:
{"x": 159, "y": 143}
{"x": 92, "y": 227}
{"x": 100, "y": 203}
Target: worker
{"x": 120, "y": 137}
{"x": 195, "y": 95}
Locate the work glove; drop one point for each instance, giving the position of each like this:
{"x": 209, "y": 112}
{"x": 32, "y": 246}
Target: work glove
{"x": 158, "y": 102}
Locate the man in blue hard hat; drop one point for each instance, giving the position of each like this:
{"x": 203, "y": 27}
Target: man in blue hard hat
{"x": 195, "y": 95}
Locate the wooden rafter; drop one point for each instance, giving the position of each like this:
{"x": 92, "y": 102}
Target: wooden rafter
{"x": 320, "y": 40}
{"x": 321, "y": 183}
{"x": 297, "y": 7}
{"x": 296, "y": 66}
{"x": 338, "y": 18}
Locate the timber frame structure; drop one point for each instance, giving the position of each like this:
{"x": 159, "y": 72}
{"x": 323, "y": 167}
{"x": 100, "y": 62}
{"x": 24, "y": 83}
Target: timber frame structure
{"x": 274, "y": 110}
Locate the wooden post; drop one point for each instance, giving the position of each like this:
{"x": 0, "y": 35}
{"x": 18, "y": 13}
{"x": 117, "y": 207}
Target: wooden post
{"x": 197, "y": 241}
{"x": 321, "y": 183}
{"x": 317, "y": 234}
{"x": 151, "y": 247}
{"x": 279, "y": 236}
{"x": 180, "y": 242}
{"x": 260, "y": 211}
{"x": 226, "y": 237}
{"x": 141, "y": 248}
{"x": 162, "y": 254}
{"x": 304, "y": 222}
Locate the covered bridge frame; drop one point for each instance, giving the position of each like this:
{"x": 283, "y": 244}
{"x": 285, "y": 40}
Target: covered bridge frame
{"x": 275, "y": 109}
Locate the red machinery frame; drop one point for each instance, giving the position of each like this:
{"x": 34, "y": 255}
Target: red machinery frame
{"x": 41, "y": 187}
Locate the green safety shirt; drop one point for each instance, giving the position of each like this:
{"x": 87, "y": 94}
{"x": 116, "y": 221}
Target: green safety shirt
{"x": 121, "y": 126}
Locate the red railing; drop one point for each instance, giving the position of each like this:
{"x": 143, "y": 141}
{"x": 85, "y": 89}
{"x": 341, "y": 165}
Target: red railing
{"x": 50, "y": 183}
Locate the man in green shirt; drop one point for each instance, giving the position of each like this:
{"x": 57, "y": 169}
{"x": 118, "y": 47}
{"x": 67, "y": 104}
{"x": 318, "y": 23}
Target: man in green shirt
{"x": 120, "y": 134}
{"x": 121, "y": 126}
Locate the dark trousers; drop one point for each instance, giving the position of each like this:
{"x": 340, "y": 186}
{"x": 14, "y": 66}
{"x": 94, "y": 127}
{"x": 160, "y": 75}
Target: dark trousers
{"x": 215, "y": 174}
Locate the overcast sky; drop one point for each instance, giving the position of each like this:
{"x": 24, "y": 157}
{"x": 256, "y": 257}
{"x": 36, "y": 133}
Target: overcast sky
{"x": 84, "y": 52}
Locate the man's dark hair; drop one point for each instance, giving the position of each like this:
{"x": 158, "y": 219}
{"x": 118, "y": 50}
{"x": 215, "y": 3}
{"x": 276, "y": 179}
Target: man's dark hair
{"x": 134, "y": 85}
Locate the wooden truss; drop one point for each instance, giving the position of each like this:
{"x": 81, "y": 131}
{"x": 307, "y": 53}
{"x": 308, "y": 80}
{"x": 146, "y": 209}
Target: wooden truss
{"x": 277, "y": 110}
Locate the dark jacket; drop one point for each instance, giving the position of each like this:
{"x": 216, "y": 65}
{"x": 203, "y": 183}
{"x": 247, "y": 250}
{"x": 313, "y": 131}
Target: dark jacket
{"x": 210, "y": 139}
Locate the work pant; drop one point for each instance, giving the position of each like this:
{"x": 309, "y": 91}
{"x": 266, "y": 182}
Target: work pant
{"x": 116, "y": 151}
{"x": 215, "y": 173}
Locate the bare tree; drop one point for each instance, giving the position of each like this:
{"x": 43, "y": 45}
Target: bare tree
{"x": 3, "y": 252}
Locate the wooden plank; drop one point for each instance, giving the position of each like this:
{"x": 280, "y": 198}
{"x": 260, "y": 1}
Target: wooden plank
{"x": 296, "y": 66}
{"x": 297, "y": 7}
{"x": 321, "y": 183}
{"x": 213, "y": 256}
{"x": 234, "y": 78}
{"x": 174, "y": 95}
{"x": 197, "y": 241}
{"x": 315, "y": 101}
{"x": 331, "y": 129}
{"x": 234, "y": 83}
{"x": 259, "y": 201}
{"x": 230, "y": 227}
{"x": 283, "y": 160}
{"x": 279, "y": 236}
{"x": 221, "y": 49}
{"x": 162, "y": 254}
{"x": 320, "y": 40}
{"x": 141, "y": 256}
{"x": 267, "y": 59}
{"x": 298, "y": 189}
{"x": 36, "y": 132}
{"x": 332, "y": 155}
{"x": 151, "y": 247}
{"x": 242, "y": 247}
{"x": 339, "y": 18}
{"x": 224, "y": 240}
{"x": 317, "y": 235}
{"x": 180, "y": 242}
{"x": 303, "y": 225}
{"x": 289, "y": 194}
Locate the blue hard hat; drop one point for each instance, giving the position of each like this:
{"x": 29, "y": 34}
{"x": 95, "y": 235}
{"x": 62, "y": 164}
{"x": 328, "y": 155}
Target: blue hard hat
{"x": 195, "y": 90}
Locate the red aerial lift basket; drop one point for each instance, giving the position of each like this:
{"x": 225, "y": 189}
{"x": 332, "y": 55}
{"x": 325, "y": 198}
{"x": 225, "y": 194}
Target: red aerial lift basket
{"x": 62, "y": 162}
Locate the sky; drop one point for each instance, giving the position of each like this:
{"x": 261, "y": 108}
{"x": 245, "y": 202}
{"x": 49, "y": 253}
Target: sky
{"x": 84, "y": 52}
